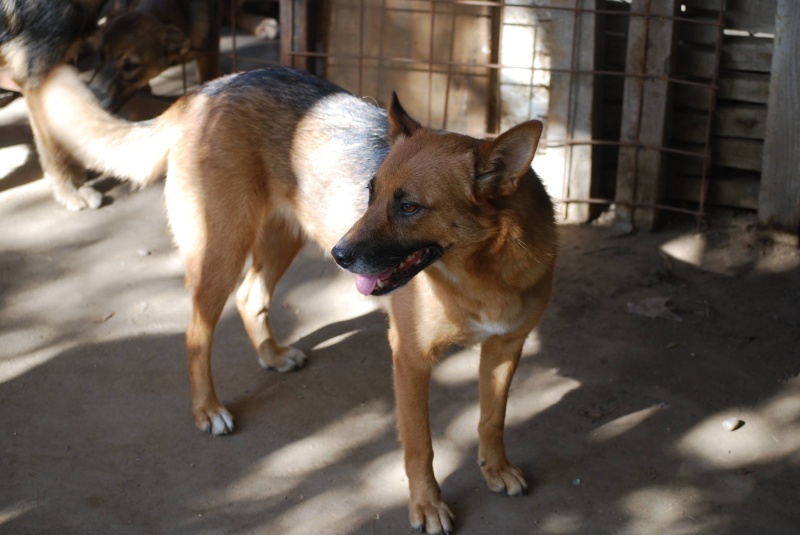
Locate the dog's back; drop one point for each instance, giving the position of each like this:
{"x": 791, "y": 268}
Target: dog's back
{"x": 316, "y": 176}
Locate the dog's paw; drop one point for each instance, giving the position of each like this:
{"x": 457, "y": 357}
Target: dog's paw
{"x": 91, "y": 197}
{"x": 267, "y": 29}
{"x": 215, "y": 421}
{"x": 76, "y": 199}
{"x": 431, "y": 516}
{"x": 289, "y": 360}
{"x": 505, "y": 479}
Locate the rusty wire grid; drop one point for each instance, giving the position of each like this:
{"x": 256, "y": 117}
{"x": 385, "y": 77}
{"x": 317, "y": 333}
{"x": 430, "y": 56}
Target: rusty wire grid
{"x": 298, "y": 50}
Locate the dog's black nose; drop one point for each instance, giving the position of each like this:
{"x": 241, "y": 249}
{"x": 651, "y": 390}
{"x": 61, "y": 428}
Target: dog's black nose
{"x": 343, "y": 256}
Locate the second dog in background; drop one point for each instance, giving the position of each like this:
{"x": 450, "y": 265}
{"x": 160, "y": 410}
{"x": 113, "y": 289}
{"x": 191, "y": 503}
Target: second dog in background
{"x": 136, "y": 46}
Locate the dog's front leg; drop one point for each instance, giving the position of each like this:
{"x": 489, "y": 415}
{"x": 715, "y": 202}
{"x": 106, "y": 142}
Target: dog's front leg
{"x": 499, "y": 358}
{"x": 412, "y": 371}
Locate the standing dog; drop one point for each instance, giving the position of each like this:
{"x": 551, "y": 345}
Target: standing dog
{"x": 460, "y": 231}
{"x": 35, "y": 36}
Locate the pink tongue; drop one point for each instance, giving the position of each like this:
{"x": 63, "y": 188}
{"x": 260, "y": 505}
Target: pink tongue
{"x": 366, "y": 283}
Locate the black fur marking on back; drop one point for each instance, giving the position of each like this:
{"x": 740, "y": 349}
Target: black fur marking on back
{"x": 299, "y": 90}
{"x": 363, "y": 126}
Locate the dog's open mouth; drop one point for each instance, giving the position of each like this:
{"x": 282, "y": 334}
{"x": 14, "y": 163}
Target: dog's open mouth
{"x": 392, "y": 279}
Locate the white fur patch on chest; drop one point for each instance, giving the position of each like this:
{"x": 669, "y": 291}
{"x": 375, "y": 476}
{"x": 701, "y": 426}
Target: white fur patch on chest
{"x": 440, "y": 267}
{"x": 484, "y": 329}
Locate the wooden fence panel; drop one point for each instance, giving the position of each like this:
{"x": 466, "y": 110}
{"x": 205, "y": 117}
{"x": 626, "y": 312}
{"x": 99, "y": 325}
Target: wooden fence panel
{"x": 779, "y": 199}
{"x": 640, "y": 172}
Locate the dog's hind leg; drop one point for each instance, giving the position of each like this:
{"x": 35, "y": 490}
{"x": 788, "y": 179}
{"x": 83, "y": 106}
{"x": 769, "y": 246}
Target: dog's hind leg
{"x": 272, "y": 254}
{"x": 499, "y": 358}
{"x": 212, "y": 270}
{"x": 65, "y": 175}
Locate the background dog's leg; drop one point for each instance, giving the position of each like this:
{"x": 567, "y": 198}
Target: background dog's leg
{"x": 272, "y": 255}
{"x": 65, "y": 175}
{"x": 499, "y": 358}
{"x": 412, "y": 371}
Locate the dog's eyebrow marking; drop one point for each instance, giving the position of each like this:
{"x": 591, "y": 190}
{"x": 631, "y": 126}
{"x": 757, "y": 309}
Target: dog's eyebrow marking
{"x": 400, "y": 193}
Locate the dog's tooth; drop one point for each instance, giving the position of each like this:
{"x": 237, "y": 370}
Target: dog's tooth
{"x": 379, "y": 283}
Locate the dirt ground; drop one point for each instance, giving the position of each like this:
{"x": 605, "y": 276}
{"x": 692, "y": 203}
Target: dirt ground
{"x": 616, "y": 418}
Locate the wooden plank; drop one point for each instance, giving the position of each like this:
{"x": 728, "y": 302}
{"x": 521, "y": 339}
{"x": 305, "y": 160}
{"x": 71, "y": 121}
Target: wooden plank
{"x": 779, "y": 201}
{"x": 294, "y": 17}
{"x": 747, "y": 15}
{"x": 742, "y": 121}
{"x": 744, "y": 154}
{"x": 749, "y": 87}
{"x": 737, "y": 153}
{"x": 751, "y": 54}
{"x": 535, "y": 41}
{"x": 704, "y": 33}
{"x": 640, "y": 173}
{"x": 285, "y": 15}
{"x": 744, "y": 87}
{"x": 574, "y": 101}
{"x": 732, "y": 191}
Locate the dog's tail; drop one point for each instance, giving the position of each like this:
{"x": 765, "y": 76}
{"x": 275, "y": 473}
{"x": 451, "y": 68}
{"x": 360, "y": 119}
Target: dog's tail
{"x": 136, "y": 151}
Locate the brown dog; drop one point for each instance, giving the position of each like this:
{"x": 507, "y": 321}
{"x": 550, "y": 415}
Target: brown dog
{"x": 477, "y": 217}
{"x": 461, "y": 228}
{"x": 137, "y": 45}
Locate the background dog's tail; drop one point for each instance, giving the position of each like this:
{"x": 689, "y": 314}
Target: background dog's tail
{"x": 98, "y": 140}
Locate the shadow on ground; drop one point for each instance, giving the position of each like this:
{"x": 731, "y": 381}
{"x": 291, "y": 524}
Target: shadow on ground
{"x": 616, "y": 418}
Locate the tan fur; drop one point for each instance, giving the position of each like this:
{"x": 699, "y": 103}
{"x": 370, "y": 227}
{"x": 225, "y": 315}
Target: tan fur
{"x": 137, "y": 45}
{"x": 247, "y": 177}
{"x": 490, "y": 287}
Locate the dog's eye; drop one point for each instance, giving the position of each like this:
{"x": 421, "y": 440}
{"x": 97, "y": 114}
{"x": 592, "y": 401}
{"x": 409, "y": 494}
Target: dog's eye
{"x": 130, "y": 66}
{"x": 371, "y": 190}
{"x": 407, "y": 208}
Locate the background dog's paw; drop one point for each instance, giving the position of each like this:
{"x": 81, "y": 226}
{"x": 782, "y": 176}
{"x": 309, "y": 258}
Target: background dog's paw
{"x": 431, "y": 516}
{"x": 267, "y": 29}
{"x": 91, "y": 197}
{"x": 77, "y": 199}
{"x": 290, "y": 360}
{"x": 215, "y": 421}
{"x": 505, "y": 479}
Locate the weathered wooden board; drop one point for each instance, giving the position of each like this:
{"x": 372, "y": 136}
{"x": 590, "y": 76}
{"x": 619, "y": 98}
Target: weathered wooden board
{"x": 734, "y": 153}
{"x": 779, "y": 200}
{"x": 733, "y": 191}
{"x": 741, "y": 121}
{"x": 640, "y": 172}
{"x": 747, "y": 15}
{"x": 752, "y": 54}
{"x": 294, "y": 34}
{"x": 572, "y": 41}
{"x": 751, "y": 87}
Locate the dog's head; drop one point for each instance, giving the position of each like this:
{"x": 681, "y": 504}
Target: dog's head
{"x": 134, "y": 48}
{"x": 436, "y": 194}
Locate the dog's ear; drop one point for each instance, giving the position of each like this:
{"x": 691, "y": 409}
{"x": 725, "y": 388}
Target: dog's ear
{"x": 501, "y": 162}
{"x": 400, "y": 123}
{"x": 176, "y": 44}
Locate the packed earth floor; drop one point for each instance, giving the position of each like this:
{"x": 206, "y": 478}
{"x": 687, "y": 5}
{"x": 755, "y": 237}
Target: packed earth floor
{"x": 617, "y": 414}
